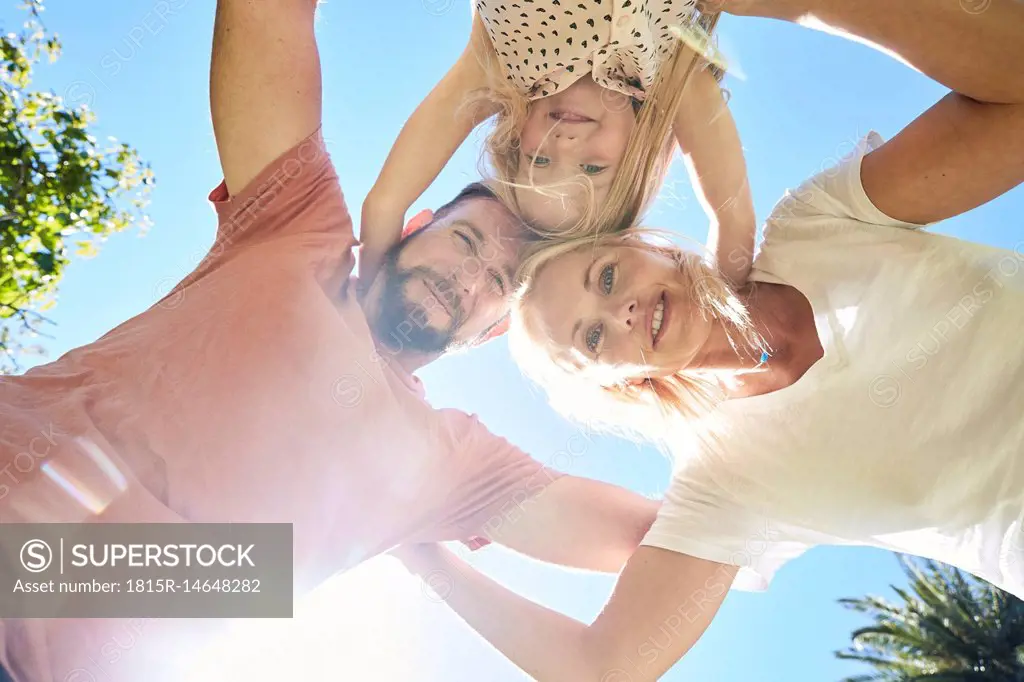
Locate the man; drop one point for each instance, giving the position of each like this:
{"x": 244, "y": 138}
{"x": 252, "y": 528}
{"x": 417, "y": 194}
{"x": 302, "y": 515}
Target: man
{"x": 263, "y": 389}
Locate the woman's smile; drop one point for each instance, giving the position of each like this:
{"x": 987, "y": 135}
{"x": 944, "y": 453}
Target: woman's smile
{"x": 659, "y": 320}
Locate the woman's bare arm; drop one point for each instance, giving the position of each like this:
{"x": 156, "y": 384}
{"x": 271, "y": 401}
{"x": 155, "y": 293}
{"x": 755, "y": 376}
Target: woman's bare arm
{"x": 967, "y": 149}
{"x": 660, "y": 597}
{"x": 974, "y": 47}
{"x": 954, "y": 157}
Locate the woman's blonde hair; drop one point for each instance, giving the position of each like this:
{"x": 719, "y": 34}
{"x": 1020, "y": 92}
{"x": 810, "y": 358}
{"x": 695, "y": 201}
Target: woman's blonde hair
{"x": 653, "y": 407}
{"x": 648, "y": 153}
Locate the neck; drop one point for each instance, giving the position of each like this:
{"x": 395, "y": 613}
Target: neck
{"x": 768, "y": 313}
{"x": 785, "y": 320}
{"x": 718, "y": 355}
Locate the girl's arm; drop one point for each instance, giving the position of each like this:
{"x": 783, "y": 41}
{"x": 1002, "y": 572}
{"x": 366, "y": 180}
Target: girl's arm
{"x": 707, "y": 136}
{"x": 660, "y": 594}
{"x": 435, "y": 130}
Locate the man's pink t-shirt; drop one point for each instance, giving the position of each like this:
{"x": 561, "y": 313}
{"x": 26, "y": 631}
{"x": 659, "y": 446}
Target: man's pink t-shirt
{"x": 252, "y": 392}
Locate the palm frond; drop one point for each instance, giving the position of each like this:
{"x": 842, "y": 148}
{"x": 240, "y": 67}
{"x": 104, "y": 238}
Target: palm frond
{"x": 945, "y": 626}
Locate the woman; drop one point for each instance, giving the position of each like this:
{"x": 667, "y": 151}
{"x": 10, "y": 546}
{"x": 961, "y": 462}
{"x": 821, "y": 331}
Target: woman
{"x": 885, "y": 409}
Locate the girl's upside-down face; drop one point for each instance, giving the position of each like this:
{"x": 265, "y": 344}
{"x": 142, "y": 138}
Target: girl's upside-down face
{"x": 577, "y": 135}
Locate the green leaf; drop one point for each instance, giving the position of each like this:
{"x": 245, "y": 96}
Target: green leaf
{"x": 947, "y": 627}
{"x": 55, "y": 181}
{"x": 45, "y": 261}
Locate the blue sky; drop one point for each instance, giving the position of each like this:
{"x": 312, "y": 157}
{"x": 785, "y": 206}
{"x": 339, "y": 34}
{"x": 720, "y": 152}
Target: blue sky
{"x": 803, "y": 102}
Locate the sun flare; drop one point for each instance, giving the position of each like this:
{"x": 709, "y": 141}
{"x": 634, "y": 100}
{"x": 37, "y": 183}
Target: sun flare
{"x": 355, "y": 627}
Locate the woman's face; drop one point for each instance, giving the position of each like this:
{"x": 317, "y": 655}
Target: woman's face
{"x": 620, "y": 305}
{"x": 579, "y": 132}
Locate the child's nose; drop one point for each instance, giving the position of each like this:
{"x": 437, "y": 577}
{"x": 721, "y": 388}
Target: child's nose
{"x": 566, "y": 137}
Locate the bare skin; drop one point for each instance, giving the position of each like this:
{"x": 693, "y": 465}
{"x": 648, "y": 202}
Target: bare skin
{"x": 961, "y": 153}
{"x": 973, "y": 48}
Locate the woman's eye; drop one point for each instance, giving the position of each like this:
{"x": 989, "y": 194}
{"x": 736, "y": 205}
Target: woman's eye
{"x": 607, "y": 278}
{"x": 593, "y": 339}
{"x": 540, "y": 161}
{"x": 592, "y": 169}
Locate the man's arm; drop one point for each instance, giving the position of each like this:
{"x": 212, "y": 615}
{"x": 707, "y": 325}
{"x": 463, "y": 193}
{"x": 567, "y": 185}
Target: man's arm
{"x": 578, "y": 522}
{"x": 265, "y": 83}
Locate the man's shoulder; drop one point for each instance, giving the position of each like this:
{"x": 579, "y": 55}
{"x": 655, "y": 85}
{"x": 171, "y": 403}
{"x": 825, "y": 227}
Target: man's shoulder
{"x": 458, "y": 418}
{"x": 466, "y": 428}
{"x": 297, "y": 193}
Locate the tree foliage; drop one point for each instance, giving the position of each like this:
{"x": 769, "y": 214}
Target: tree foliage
{"x": 946, "y": 627}
{"x": 61, "y": 191}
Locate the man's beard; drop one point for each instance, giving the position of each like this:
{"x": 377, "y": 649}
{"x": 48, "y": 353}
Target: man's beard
{"x": 401, "y": 324}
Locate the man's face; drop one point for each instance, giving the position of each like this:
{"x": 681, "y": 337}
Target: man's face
{"x": 450, "y": 283}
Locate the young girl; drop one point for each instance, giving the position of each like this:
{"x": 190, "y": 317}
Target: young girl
{"x": 589, "y": 99}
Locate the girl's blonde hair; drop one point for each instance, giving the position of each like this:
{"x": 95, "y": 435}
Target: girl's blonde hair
{"x": 648, "y": 153}
{"x": 653, "y": 407}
